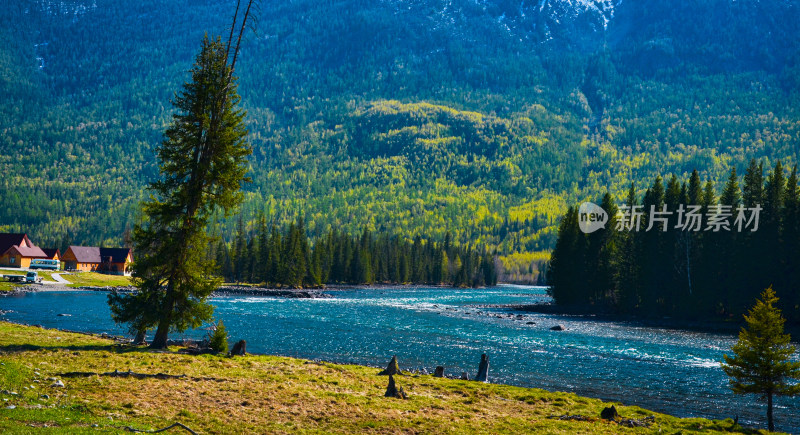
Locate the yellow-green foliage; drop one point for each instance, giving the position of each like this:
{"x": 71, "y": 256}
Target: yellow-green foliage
{"x": 268, "y": 394}
{"x": 523, "y": 266}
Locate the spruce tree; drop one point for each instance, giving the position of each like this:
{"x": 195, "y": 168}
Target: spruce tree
{"x": 753, "y": 188}
{"x": 731, "y": 195}
{"x": 672, "y": 252}
{"x": 760, "y": 363}
{"x": 262, "y": 256}
{"x": 239, "y": 251}
{"x": 734, "y": 259}
{"x": 274, "y": 263}
{"x": 753, "y": 243}
{"x": 651, "y": 256}
{"x": 566, "y": 261}
{"x": 770, "y": 223}
{"x": 203, "y": 162}
{"x": 627, "y": 296}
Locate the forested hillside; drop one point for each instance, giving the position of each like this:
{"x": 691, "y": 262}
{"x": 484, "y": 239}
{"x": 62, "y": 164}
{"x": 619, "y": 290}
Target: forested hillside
{"x": 410, "y": 118}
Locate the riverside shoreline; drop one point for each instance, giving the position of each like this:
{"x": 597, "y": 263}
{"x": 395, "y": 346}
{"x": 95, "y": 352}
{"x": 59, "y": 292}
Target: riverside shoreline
{"x": 216, "y": 394}
{"x": 222, "y": 291}
{"x": 730, "y": 326}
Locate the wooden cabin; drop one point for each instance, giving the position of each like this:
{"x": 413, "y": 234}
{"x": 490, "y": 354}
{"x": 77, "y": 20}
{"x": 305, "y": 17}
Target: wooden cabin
{"x": 17, "y": 250}
{"x": 115, "y": 261}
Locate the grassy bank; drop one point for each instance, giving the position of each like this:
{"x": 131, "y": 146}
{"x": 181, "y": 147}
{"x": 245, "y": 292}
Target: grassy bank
{"x": 268, "y": 394}
{"x": 94, "y": 279}
{"x": 6, "y": 286}
{"x": 77, "y": 279}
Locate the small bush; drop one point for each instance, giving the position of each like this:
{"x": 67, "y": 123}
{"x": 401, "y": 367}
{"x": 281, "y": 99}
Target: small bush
{"x": 219, "y": 339}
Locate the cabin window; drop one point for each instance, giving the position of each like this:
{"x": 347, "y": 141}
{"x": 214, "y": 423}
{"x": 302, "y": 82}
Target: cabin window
{"x": 12, "y": 260}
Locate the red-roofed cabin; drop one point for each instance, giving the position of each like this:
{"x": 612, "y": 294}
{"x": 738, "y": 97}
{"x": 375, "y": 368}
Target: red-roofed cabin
{"x": 116, "y": 261}
{"x": 17, "y": 250}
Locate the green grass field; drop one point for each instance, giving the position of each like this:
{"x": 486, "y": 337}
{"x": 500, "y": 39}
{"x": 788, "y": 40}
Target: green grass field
{"x": 6, "y": 286}
{"x": 77, "y": 279}
{"x": 268, "y": 394}
{"x": 94, "y": 279}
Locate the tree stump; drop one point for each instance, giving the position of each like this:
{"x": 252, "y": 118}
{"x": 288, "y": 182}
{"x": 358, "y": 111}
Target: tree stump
{"x": 392, "y": 391}
{"x": 464, "y": 376}
{"x": 439, "y": 373}
{"x": 609, "y": 413}
{"x": 392, "y": 369}
{"x": 483, "y": 369}
{"x": 240, "y": 348}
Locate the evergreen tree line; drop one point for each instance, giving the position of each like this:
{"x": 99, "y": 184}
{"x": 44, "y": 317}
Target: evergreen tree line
{"x": 684, "y": 273}
{"x": 269, "y": 256}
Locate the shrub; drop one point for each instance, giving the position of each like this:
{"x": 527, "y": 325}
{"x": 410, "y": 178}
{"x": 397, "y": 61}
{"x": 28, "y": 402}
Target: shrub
{"x": 219, "y": 338}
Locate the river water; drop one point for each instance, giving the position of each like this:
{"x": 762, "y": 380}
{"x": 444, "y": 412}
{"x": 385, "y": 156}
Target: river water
{"x": 665, "y": 370}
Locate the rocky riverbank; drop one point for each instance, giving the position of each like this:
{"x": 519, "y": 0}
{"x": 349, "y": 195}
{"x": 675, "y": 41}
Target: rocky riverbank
{"x": 222, "y": 291}
{"x": 717, "y": 325}
{"x": 271, "y": 292}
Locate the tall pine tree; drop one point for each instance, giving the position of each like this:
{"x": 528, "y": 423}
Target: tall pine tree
{"x": 202, "y": 166}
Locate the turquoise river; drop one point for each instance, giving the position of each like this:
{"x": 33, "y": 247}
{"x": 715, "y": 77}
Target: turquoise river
{"x": 665, "y": 370}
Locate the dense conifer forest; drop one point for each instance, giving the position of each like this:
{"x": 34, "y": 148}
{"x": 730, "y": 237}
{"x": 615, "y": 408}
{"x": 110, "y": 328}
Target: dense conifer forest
{"x": 689, "y": 271}
{"x": 265, "y": 255}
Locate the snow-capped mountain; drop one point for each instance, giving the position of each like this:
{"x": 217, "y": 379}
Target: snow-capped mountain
{"x": 577, "y": 22}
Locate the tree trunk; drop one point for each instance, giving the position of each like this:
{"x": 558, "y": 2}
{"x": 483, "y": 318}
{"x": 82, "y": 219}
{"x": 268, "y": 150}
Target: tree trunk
{"x": 160, "y": 339}
{"x": 141, "y": 337}
{"x": 770, "y": 422}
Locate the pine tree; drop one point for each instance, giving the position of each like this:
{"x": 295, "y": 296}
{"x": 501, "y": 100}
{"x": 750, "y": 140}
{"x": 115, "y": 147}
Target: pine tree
{"x": 753, "y": 244}
{"x": 731, "y": 195}
{"x": 488, "y": 269}
{"x": 760, "y": 363}
{"x": 770, "y": 226}
{"x": 608, "y": 259}
{"x": 218, "y": 340}
{"x": 274, "y": 262}
{"x": 293, "y": 265}
{"x": 673, "y": 255}
{"x": 695, "y": 192}
{"x": 315, "y": 267}
{"x": 261, "y": 258}
{"x": 734, "y": 261}
{"x": 753, "y": 188}
{"x": 629, "y": 284}
{"x": 202, "y": 164}
{"x": 239, "y": 251}
{"x": 651, "y": 254}
{"x": 566, "y": 261}
{"x": 223, "y": 260}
